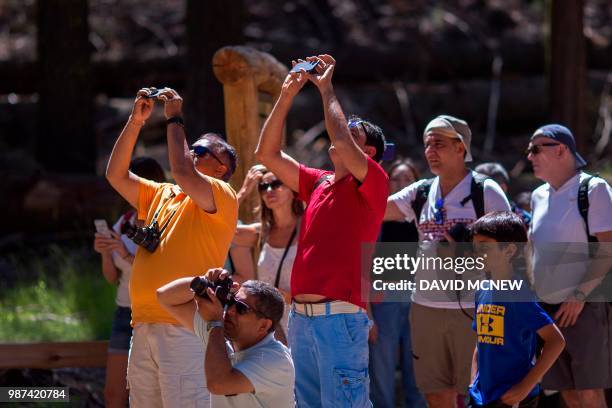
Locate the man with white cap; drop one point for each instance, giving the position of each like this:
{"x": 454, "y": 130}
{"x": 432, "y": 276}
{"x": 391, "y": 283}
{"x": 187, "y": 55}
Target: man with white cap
{"x": 571, "y": 208}
{"x": 442, "y": 338}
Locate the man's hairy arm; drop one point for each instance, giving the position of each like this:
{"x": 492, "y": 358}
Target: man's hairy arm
{"x": 117, "y": 171}
{"x": 268, "y": 150}
{"x": 194, "y": 184}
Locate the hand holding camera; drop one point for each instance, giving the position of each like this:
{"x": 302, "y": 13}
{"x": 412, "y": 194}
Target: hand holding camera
{"x": 143, "y": 105}
{"x": 324, "y": 71}
{"x": 173, "y": 103}
{"x": 295, "y": 80}
{"x": 213, "y": 291}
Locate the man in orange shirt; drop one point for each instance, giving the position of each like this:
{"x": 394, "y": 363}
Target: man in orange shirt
{"x": 196, "y": 220}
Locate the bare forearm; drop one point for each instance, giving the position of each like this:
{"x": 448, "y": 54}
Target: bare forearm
{"x": 217, "y": 363}
{"x": 119, "y": 162}
{"x": 110, "y": 272}
{"x": 474, "y": 365}
{"x": 551, "y": 351}
{"x": 271, "y": 139}
{"x": 178, "y": 151}
{"x": 335, "y": 120}
{"x": 176, "y": 292}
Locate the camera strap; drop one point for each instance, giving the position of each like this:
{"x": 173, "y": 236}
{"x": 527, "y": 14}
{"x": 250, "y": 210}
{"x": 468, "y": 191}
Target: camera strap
{"x": 280, "y": 265}
{"x": 161, "y": 231}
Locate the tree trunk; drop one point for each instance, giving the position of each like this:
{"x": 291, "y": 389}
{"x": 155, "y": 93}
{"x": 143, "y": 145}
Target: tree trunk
{"x": 211, "y": 24}
{"x": 65, "y": 140}
{"x": 568, "y": 67}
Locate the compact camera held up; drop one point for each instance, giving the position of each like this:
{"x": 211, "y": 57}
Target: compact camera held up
{"x": 221, "y": 287}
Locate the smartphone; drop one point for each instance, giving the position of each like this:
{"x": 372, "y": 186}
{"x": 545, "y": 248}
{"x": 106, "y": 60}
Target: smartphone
{"x": 306, "y": 65}
{"x": 102, "y": 228}
{"x": 153, "y": 93}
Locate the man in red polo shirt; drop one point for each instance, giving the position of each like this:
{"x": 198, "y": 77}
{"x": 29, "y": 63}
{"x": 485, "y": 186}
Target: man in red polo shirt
{"x": 328, "y": 323}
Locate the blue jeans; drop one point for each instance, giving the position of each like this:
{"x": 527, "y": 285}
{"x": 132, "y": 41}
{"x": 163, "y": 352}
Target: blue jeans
{"x": 330, "y": 354}
{"x": 392, "y": 321}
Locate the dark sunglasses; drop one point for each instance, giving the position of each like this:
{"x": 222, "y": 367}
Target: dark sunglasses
{"x": 274, "y": 184}
{"x": 200, "y": 151}
{"x": 536, "y": 149}
{"x": 438, "y": 213}
{"x": 242, "y": 308}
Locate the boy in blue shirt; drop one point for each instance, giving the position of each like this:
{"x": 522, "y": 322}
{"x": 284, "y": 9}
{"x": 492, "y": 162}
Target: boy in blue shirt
{"x": 508, "y": 323}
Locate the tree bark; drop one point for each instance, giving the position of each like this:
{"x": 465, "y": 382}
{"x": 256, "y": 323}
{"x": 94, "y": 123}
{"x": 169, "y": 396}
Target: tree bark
{"x": 211, "y": 24}
{"x": 568, "y": 68}
{"x": 65, "y": 141}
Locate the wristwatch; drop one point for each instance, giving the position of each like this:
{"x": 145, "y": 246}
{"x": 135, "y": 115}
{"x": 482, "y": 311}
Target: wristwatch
{"x": 579, "y": 295}
{"x": 213, "y": 324}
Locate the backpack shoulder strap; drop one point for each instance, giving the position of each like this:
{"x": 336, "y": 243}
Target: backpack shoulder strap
{"x": 583, "y": 205}
{"x": 477, "y": 194}
{"x": 421, "y": 198}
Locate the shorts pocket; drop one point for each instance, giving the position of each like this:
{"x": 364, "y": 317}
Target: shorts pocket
{"x": 193, "y": 391}
{"x": 351, "y": 388}
{"x": 352, "y": 328}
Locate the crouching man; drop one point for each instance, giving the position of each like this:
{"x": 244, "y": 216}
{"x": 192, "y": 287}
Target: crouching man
{"x": 245, "y": 366}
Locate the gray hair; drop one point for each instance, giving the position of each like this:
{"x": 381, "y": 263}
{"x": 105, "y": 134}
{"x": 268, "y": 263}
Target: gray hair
{"x": 269, "y": 301}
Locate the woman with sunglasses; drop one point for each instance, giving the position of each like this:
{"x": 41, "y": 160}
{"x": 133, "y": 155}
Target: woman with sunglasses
{"x": 273, "y": 238}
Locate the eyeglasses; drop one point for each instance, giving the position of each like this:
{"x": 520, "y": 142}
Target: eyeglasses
{"x": 200, "y": 151}
{"x": 354, "y": 123}
{"x": 274, "y": 184}
{"x": 536, "y": 149}
{"x": 438, "y": 213}
{"x": 242, "y": 308}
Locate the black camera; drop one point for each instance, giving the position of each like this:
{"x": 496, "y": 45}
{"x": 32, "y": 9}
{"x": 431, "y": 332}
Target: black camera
{"x": 146, "y": 237}
{"x": 221, "y": 287}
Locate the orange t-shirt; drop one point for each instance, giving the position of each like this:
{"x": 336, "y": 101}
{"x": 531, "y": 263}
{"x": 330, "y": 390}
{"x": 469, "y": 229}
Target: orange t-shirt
{"x": 193, "y": 242}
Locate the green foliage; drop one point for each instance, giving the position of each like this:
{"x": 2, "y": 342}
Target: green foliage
{"x": 64, "y": 298}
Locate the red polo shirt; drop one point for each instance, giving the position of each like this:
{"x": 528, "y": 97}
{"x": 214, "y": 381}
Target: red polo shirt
{"x": 339, "y": 217}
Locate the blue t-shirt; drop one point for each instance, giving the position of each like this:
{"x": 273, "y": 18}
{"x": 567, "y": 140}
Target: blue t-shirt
{"x": 506, "y": 344}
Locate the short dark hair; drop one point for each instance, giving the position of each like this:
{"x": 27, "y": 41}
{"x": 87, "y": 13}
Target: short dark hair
{"x": 148, "y": 168}
{"x": 220, "y": 146}
{"x": 269, "y": 301}
{"x": 374, "y": 136}
{"x": 494, "y": 170}
{"x": 502, "y": 226}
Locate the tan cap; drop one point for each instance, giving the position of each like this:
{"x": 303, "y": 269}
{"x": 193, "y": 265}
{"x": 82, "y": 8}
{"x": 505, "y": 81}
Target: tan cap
{"x": 452, "y": 127}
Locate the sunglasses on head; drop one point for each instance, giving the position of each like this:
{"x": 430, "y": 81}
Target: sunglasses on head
{"x": 199, "y": 151}
{"x": 274, "y": 184}
{"x": 242, "y": 308}
{"x": 536, "y": 149}
{"x": 438, "y": 214}
{"x": 354, "y": 123}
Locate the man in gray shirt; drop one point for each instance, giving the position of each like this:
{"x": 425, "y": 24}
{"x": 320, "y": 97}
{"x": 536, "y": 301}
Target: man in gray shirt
{"x": 245, "y": 366}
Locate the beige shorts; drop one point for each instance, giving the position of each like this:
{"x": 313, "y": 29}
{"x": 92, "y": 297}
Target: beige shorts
{"x": 443, "y": 344}
{"x": 166, "y": 367}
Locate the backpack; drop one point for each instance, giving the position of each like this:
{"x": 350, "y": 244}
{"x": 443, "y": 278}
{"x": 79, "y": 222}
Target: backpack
{"x": 583, "y": 205}
{"x": 476, "y": 195}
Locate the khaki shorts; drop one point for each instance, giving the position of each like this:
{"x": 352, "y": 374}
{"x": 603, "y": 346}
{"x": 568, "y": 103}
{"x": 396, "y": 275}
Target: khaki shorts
{"x": 585, "y": 362}
{"x": 443, "y": 344}
{"x": 166, "y": 368}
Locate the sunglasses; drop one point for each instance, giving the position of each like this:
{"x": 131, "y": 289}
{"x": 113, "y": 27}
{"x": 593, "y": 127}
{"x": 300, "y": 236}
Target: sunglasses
{"x": 199, "y": 151}
{"x": 354, "y": 123}
{"x": 242, "y": 308}
{"x": 274, "y": 184}
{"x": 536, "y": 149}
{"x": 438, "y": 213}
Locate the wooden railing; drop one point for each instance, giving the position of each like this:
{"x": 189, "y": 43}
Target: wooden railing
{"x": 53, "y": 355}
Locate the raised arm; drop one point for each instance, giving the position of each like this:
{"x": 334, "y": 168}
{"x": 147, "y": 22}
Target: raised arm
{"x": 177, "y": 299}
{"x": 193, "y": 183}
{"x": 117, "y": 170}
{"x": 268, "y": 150}
{"x": 335, "y": 122}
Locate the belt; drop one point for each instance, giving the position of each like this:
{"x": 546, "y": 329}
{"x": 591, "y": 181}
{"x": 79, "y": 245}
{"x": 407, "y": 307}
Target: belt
{"x": 324, "y": 309}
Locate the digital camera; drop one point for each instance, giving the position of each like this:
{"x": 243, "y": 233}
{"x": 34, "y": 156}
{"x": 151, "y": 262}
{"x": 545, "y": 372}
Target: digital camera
{"x": 221, "y": 287}
{"x": 147, "y": 237}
